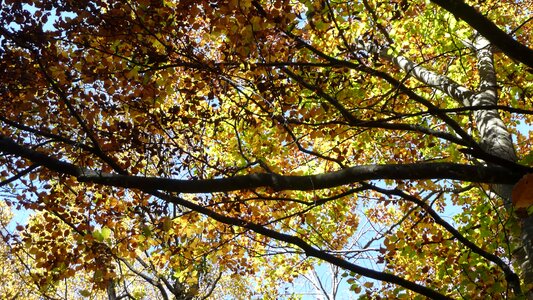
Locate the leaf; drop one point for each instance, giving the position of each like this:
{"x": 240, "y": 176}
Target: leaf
{"x": 522, "y": 194}
{"x": 98, "y": 236}
{"x": 105, "y": 232}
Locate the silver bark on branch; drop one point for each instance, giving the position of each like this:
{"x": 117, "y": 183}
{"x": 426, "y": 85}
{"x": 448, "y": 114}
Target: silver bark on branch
{"x": 495, "y": 138}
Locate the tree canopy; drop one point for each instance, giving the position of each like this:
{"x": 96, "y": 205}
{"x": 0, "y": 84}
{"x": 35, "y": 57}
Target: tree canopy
{"x": 197, "y": 149}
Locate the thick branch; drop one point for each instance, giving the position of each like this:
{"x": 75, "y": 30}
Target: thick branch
{"x": 441, "y": 82}
{"x": 9, "y": 146}
{"x": 415, "y": 171}
{"x": 495, "y": 138}
{"x": 489, "y": 30}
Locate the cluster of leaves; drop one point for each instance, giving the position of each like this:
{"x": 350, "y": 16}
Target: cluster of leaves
{"x": 204, "y": 90}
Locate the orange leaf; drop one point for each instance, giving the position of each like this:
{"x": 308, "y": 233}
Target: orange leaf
{"x": 522, "y": 195}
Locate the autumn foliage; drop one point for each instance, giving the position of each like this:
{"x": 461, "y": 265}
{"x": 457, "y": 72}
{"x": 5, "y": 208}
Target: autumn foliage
{"x": 228, "y": 148}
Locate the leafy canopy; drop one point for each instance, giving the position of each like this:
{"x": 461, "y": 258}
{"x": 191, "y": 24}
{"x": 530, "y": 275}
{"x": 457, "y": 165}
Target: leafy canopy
{"x": 180, "y": 146}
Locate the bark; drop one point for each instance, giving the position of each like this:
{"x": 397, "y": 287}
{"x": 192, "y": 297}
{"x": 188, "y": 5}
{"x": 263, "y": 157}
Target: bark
{"x": 496, "y": 140}
{"x": 350, "y": 175}
{"x": 111, "y": 291}
{"x": 441, "y": 82}
{"x": 525, "y": 255}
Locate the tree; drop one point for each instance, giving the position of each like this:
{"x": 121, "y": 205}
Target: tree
{"x": 31, "y": 268}
{"x": 243, "y": 137}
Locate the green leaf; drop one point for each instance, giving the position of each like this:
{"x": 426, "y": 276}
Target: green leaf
{"x": 102, "y": 234}
{"x": 106, "y": 232}
{"x": 98, "y": 236}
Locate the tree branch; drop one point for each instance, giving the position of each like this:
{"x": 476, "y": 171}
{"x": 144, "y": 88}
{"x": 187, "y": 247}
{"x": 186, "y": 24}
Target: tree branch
{"x": 307, "y": 248}
{"x": 18, "y": 175}
{"x": 414, "y": 171}
{"x": 510, "y": 276}
{"x": 489, "y": 30}
{"x": 441, "y": 82}
{"x": 454, "y": 90}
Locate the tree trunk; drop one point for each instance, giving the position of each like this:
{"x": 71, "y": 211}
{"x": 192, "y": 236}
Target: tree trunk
{"x": 526, "y": 257}
{"x": 496, "y": 140}
{"x": 111, "y": 292}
